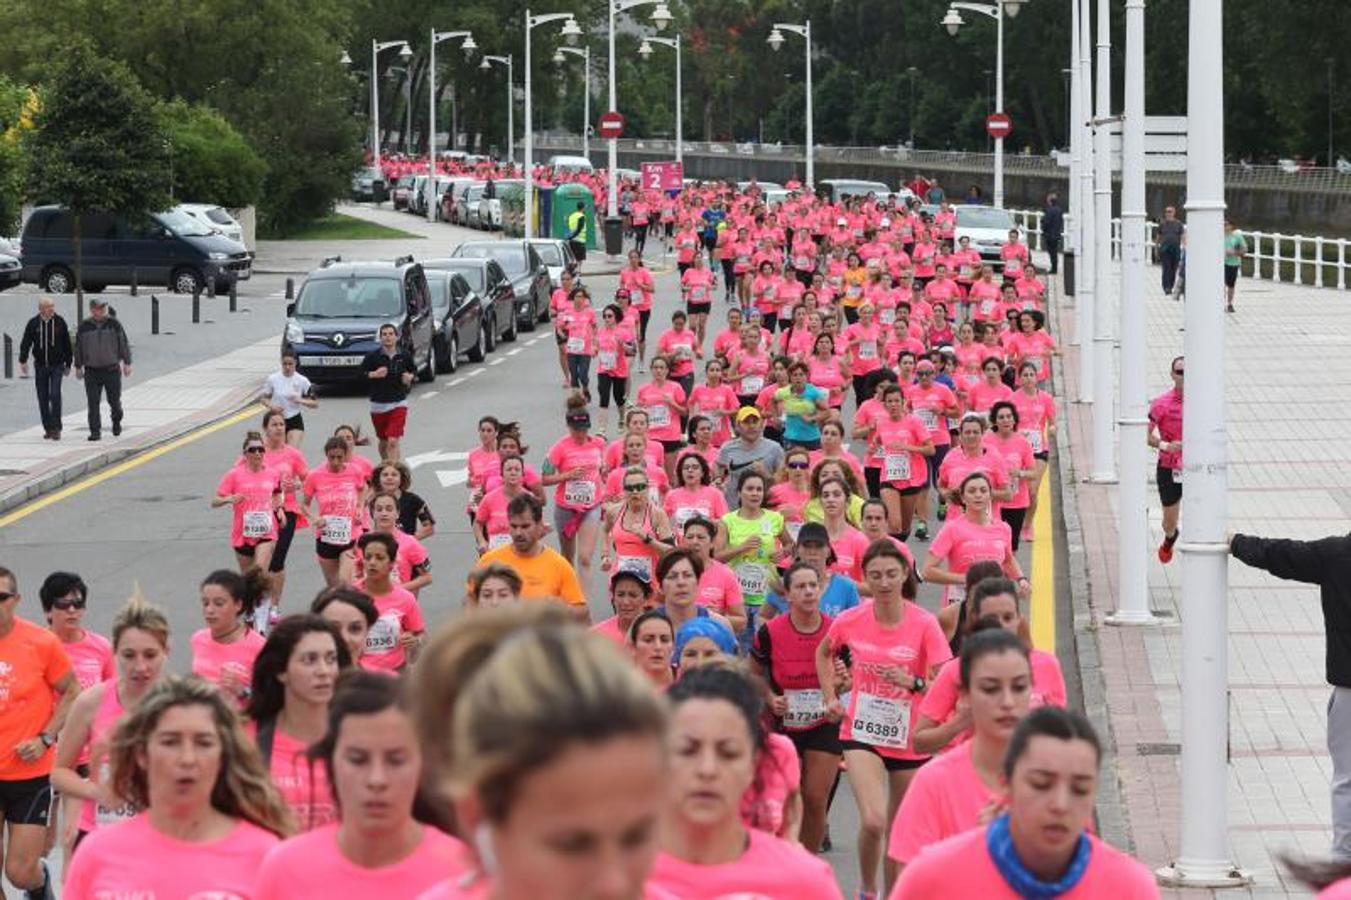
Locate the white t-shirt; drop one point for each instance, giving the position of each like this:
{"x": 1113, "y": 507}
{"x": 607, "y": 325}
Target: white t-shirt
{"x": 287, "y": 391}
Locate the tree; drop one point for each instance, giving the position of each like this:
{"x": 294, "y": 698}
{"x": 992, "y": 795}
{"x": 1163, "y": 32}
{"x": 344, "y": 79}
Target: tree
{"x": 97, "y": 144}
{"x": 17, "y": 105}
{"x": 210, "y": 162}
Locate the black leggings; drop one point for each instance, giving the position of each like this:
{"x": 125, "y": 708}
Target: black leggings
{"x": 728, "y": 274}
{"x": 285, "y": 533}
{"x": 639, "y": 237}
{"x": 1015, "y": 519}
{"x": 612, "y": 386}
{"x": 644, "y": 316}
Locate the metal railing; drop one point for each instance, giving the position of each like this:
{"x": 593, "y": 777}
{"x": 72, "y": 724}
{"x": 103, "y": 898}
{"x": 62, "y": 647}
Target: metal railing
{"x": 1314, "y": 261}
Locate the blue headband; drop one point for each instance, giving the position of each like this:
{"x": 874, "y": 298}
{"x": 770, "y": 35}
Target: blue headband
{"x": 704, "y": 627}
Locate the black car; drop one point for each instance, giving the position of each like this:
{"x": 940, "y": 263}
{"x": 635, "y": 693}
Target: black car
{"x": 457, "y": 317}
{"x": 529, "y": 276}
{"x": 11, "y": 271}
{"x": 336, "y": 318}
{"x": 486, "y": 278}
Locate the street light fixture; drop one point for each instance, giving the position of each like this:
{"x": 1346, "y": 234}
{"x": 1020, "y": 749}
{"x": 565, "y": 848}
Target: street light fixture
{"x": 405, "y": 53}
{"x": 775, "y": 41}
{"x": 486, "y": 65}
{"x": 585, "y": 54}
{"x": 570, "y": 32}
{"x": 468, "y": 46}
{"x": 645, "y": 50}
{"x": 346, "y": 59}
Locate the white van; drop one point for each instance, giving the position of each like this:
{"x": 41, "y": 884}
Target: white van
{"x": 215, "y": 217}
{"x": 570, "y": 164}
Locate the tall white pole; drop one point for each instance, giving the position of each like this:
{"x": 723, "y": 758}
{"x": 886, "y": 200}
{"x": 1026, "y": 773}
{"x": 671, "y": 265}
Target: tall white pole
{"x": 431, "y": 131}
{"x": 1132, "y": 602}
{"x": 586, "y": 107}
{"x": 1204, "y": 857}
{"x": 529, "y": 192}
{"x": 680, "y": 138}
{"x": 1075, "y": 214}
{"x": 375, "y": 110}
{"x": 612, "y": 180}
{"x": 1104, "y": 463}
{"x": 999, "y": 104}
{"x": 511, "y": 112}
{"x": 1087, "y": 263}
{"x": 811, "y": 148}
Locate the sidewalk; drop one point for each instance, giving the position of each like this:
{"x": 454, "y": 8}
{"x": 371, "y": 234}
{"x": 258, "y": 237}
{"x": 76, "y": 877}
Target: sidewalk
{"x": 1287, "y": 456}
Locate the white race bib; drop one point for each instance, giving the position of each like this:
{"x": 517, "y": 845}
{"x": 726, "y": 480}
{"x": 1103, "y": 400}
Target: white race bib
{"x": 882, "y": 721}
{"x": 854, "y": 290}
{"x": 886, "y": 315}
{"x": 793, "y": 528}
{"x": 659, "y": 415}
{"x": 897, "y": 467}
{"x": 806, "y": 709}
{"x": 1033, "y": 436}
{"x": 699, "y": 294}
{"x": 498, "y": 540}
{"x": 608, "y": 359}
{"x": 986, "y": 307}
{"x": 576, "y": 345}
{"x": 928, "y": 417}
{"x": 802, "y": 262}
{"x": 383, "y": 636}
{"x": 580, "y": 493}
{"x": 104, "y": 815}
{"x": 258, "y": 523}
{"x": 1177, "y": 476}
{"x": 337, "y": 530}
{"x": 964, "y": 272}
{"x": 867, "y": 350}
{"x": 684, "y": 513}
{"x": 751, "y": 384}
{"x": 753, "y": 578}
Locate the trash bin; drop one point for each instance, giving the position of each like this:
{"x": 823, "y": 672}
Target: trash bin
{"x": 1067, "y": 272}
{"x": 614, "y": 236}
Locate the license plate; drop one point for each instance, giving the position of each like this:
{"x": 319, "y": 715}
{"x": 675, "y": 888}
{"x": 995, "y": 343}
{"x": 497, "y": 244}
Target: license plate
{"x": 331, "y": 360}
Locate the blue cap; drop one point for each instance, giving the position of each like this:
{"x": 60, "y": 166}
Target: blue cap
{"x": 705, "y": 627}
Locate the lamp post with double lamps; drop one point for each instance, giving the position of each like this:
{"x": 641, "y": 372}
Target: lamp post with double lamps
{"x": 645, "y": 51}
{"x": 571, "y": 32}
{"x": 468, "y": 46}
{"x": 585, "y": 54}
{"x": 405, "y": 53}
{"x": 486, "y": 65}
{"x": 953, "y": 22}
{"x": 775, "y": 41}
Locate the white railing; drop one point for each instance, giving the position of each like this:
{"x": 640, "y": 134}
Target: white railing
{"x": 1315, "y": 261}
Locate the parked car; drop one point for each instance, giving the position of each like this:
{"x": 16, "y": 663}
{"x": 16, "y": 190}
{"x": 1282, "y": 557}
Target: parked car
{"x": 417, "y": 196}
{"x": 336, "y": 317}
{"x": 11, "y": 271}
{"x": 493, "y": 287}
{"x": 214, "y": 217}
{"x": 402, "y": 192}
{"x": 557, "y": 258}
{"x": 169, "y": 248}
{"x": 442, "y": 186}
{"x": 988, "y": 228}
{"x": 765, "y": 186}
{"x": 467, "y": 207}
{"x": 368, "y": 186}
{"x": 529, "y": 277}
{"x": 838, "y": 187}
{"x": 562, "y": 164}
{"x": 457, "y": 319}
{"x": 450, "y": 198}
{"x": 490, "y": 208}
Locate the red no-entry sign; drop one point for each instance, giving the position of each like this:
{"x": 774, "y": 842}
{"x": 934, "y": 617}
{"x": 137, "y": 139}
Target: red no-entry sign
{"x": 998, "y": 125}
{"x": 611, "y": 125}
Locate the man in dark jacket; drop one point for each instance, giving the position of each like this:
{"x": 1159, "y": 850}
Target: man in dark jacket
{"x": 1053, "y": 230}
{"x": 47, "y": 337}
{"x": 1325, "y": 562}
{"x": 102, "y": 358}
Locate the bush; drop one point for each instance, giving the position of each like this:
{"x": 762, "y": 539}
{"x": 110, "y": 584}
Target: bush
{"x": 210, "y": 162}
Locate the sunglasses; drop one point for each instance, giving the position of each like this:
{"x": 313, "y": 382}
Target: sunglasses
{"x": 799, "y": 465}
{"x": 1179, "y": 371}
{"x": 636, "y": 488}
{"x": 68, "y": 603}
{"x": 254, "y": 450}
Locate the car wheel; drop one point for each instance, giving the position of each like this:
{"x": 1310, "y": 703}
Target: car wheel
{"x": 187, "y": 281}
{"x": 451, "y": 359}
{"x": 427, "y": 374}
{"x": 532, "y": 317}
{"x": 480, "y": 348}
{"x": 544, "y": 311}
{"x": 510, "y": 333}
{"x": 439, "y": 344}
{"x": 58, "y": 280}
{"x": 490, "y": 342}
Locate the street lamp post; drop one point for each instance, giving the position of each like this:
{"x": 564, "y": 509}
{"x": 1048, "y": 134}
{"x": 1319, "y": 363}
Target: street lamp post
{"x": 953, "y": 22}
{"x": 1084, "y": 290}
{"x": 645, "y": 50}
{"x": 468, "y": 46}
{"x": 488, "y": 63}
{"x": 585, "y": 54}
{"x": 1104, "y": 463}
{"x": 912, "y": 71}
{"x": 405, "y": 53}
{"x": 570, "y": 33}
{"x": 661, "y": 17}
{"x": 776, "y": 41}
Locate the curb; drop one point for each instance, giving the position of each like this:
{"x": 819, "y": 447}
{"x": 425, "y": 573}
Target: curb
{"x": 48, "y": 481}
{"x": 1113, "y": 823}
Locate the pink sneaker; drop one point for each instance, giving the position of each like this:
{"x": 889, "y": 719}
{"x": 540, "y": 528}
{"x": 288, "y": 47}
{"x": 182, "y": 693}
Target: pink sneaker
{"x": 1027, "y": 533}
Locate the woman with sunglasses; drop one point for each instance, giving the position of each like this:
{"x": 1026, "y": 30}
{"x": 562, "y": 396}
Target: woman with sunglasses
{"x": 614, "y": 346}
{"x": 334, "y": 495}
{"x": 255, "y": 494}
{"x": 1005, "y": 439}
{"x": 974, "y": 534}
{"x": 637, "y": 531}
{"x": 284, "y": 457}
{"x": 792, "y": 489}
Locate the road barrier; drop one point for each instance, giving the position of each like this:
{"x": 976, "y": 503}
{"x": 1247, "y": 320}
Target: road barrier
{"x": 133, "y": 281}
{"x": 234, "y": 296}
{"x": 154, "y": 314}
{"x": 196, "y": 307}
{"x": 9, "y": 357}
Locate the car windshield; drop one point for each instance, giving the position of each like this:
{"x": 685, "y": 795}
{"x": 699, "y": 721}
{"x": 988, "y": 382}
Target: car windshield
{"x": 511, "y": 257}
{"x": 472, "y": 274}
{"x": 350, "y": 298}
{"x": 971, "y": 217}
{"x": 219, "y": 216}
{"x": 184, "y": 225}
{"x": 550, "y": 253}
{"x": 440, "y": 288}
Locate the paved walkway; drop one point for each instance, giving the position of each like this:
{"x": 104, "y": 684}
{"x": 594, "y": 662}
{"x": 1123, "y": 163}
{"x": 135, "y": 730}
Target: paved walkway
{"x": 1288, "y": 452}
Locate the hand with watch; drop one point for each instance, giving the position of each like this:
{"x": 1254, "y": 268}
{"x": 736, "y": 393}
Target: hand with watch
{"x": 32, "y": 749}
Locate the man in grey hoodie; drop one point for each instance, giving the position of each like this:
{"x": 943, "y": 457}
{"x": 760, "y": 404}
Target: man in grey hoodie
{"x": 102, "y": 357}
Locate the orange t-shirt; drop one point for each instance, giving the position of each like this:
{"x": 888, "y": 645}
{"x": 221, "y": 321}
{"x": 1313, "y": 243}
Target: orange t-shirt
{"x": 32, "y": 663}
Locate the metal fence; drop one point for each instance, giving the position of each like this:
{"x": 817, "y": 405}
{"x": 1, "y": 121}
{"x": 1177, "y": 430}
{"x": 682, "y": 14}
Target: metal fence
{"x": 1314, "y": 261}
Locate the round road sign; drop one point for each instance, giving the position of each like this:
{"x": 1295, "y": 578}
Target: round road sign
{"x": 998, "y": 125}
{"x": 611, "y": 125}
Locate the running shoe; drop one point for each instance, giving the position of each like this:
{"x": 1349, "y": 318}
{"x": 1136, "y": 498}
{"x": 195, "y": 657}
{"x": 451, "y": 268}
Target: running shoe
{"x": 922, "y": 531}
{"x": 44, "y": 892}
{"x": 1166, "y": 551}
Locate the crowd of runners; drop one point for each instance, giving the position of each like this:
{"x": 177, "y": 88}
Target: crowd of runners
{"x": 844, "y": 387}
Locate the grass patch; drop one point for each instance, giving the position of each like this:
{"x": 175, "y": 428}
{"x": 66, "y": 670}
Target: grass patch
{"x": 339, "y": 227}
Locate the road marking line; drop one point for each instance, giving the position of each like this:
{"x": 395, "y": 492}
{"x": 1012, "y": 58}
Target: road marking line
{"x": 514, "y": 352}
{"x": 498, "y": 361}
{"x": 456, "y": 381}
{"x": 425, "y": 395}
{"x": 1043, "y": 572}
{"x": 473, "y": 373}
{"x": 134, "y": 462}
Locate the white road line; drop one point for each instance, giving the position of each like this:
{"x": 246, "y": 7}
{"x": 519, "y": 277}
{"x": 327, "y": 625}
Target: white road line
{"x": 425, "y": 395}
{"x": 498, "y": 361}
{"x": 456, "y": 381}
{"x": 473, "y": 373}
{"x": 514, "y": 352}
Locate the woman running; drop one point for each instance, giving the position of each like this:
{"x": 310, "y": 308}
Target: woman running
{"x": 334, "y": 495}
{"x": 354, "y": 614}
{"x": 651, "y": 638}
{"x": 750, "y": 541}
{"x": 255, "y": 494}
{"x": 1006, "y": 440}
{"x": 991, "y": 389}
{"x": 629, "y": 594}
{"x": 558, "y": 306}
{"x": 353, "y": 439}
{"x": 209, "y": 814}
{"x": 415, "y": 518}
{"x": 665, "y": 402}
{"x": 286, "y": 459}
{"x": 293, "y": 681}
{"x": 483, "y": 460}
{"x": 491, "y": 528}
{"x": 681, "y": 346}
{"x": 971, "y": 455}
{"x": 393, "y": 640}
{"x": 223, "y": 652}
{"x": 576, "y": 467}
{"x": 412, "y": 565}
{"x": 384, "y": 842}
{"x": 895, "y": 648}
{"x": 695, "y": 495}
{"x": 863, "y": 342}
{"x": 791, "y": 490}
{"x": 637, "y": 531}
{"x": 974, "y": 534}
{"x": 715, "y": 401}
{"x": 748, "y": 365}
{"x": 933, "y": 402}
{"x": 1036, "y": 422}
{"x": 578, "y": 325}
{"x": 614, "y": 346}
{"x": 900, "y": 445}
{"x": 636, "y": 278}
{"x": 493, "y": 586}
{"x": 832, "y": 448}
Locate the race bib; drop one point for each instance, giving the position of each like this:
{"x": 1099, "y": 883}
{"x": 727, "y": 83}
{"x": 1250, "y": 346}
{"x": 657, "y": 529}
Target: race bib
{"x": 714, "y": 421}
{"x": 897, "y": 467}
{"x": 576, "y": 345}
{"x": 928, "y": 417}
{"x": 882, "y": 721}
{"x": 986, "y": 307}
{"x": 1034, "y": 360}
{"x": 580, "y": 493}
{"x": 886, "y": 316}
{"x": 753, "y": 578}
{"x": 854, "y": 291}
{"x": 659, "y": 415}
{"x": 802, "y": 262}
{"x": 867, "y": 350}
{"x": 640, "y": 565}
{"x": 337, "y": 530}
{"x": 806, "y": 709}
{"x": 1177, "y": 476}
{"x": 608, "y": 359}
{"x": 743, "y": 260}
{"x": 699, "y": 294}
{"x": 770, "y": 292}
{"x": 1033, "y": 436}
{"x": 105, "y": 815}
{"x": 498, "y": 540}
{"x": 258, "y": 523}
{"x": 684, "y": 513}
{"x": 964, "y": 272}
{"x": 751, "y": 384}
{"x": 383, "y": 636}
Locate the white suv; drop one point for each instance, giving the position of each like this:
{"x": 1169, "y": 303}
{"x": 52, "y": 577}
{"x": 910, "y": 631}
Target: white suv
{"x": 214, "y": 217}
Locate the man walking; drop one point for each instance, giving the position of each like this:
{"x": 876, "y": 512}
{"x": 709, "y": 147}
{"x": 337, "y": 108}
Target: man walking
{"x": 47, "y": 337}
{"x": 1168, "y": 239}
{"x": 102, "y": 359}
{"x": 1053, "y": 230}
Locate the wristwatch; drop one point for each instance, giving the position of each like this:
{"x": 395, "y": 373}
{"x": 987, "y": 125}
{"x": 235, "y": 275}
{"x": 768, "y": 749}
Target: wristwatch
{"x": 47, "y": 740}
{"x": 919, "y": 685}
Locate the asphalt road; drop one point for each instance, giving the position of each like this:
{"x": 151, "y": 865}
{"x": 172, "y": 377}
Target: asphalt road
{"x": 150, "y": 528}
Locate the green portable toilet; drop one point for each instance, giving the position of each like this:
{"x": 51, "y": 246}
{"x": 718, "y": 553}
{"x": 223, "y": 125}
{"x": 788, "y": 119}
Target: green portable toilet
{"x": 563, "y": 203}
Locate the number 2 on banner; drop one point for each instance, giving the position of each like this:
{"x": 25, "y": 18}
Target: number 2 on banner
{"x": 654, "y": 179}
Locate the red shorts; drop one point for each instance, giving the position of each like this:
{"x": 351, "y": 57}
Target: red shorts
{"x": 390, "y": 424}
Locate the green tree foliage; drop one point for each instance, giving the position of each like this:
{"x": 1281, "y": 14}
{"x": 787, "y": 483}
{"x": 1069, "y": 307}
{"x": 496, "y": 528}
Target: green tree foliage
{"x": 97, "y": 143}
{"x": 16, "y": 107}
{"x": 209, "y": 161}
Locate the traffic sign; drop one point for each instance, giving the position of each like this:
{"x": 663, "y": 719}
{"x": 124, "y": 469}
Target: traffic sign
{"x": 998, "y": 125}
{"x": 611, "y": 125}
{"x": 663, "y": 176}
